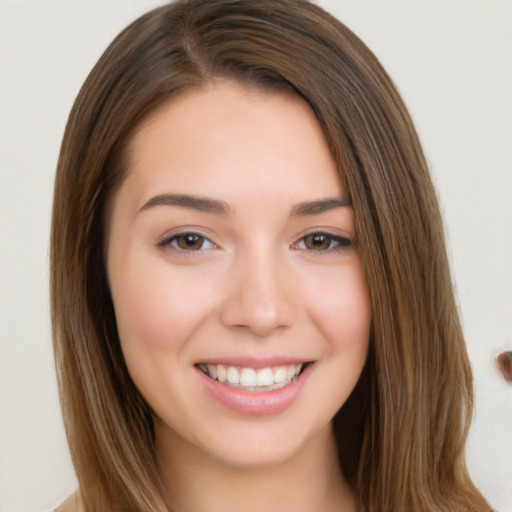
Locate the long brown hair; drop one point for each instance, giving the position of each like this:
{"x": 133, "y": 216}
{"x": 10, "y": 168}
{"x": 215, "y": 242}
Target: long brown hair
{"x": 401, "y": 434}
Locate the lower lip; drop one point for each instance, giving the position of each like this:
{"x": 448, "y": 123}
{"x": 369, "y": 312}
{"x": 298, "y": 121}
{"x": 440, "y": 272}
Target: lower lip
{"x": 255, "y": 403}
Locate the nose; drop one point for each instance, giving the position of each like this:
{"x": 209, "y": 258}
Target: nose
{"x": 261, "y": 298}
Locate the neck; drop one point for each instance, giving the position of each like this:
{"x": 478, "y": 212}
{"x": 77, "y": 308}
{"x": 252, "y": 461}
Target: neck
{"x": 310, "y": 481}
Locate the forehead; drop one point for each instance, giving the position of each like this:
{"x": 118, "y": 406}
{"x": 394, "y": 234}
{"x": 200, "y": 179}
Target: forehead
{"x": 227, "y": 138}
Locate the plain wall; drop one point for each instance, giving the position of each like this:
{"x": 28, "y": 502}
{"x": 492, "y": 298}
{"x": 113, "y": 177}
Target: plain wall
{"x": 452, "y": 62}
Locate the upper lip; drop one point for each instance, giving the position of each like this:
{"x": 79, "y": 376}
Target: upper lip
{"x": 254, "y": 362}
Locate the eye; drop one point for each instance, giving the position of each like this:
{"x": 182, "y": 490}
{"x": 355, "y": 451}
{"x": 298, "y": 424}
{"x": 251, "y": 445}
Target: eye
{"x": 190, "y": 242}
{"x": 321, "y": 242}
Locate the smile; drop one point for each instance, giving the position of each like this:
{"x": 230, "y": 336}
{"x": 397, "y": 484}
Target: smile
{"x": 255, "y": 390}
{"x": 253, "y": 379}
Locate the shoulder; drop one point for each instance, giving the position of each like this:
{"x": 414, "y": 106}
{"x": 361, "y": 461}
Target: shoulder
{"x": 72, "y": 504}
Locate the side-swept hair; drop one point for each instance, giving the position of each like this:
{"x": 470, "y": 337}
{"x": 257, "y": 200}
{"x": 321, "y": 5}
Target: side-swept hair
{"x": 401, "y": 435}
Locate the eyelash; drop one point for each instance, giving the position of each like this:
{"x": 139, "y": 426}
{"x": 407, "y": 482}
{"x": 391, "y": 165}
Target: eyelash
{"x": 335, "y": 243}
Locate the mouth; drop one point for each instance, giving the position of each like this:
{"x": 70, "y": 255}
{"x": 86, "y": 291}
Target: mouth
{"x": 256, "y": 380}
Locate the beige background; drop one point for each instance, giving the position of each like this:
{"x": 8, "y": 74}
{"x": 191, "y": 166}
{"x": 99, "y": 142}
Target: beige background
{"x": 452, "y": 61}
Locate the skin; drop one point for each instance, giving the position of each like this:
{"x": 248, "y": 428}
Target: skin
{"x": 72, "y": 504}
{"x": 256, "y": 284}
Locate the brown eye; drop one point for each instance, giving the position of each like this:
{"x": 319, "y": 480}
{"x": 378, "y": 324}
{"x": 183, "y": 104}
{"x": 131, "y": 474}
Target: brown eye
{"x": 322, "y": 242}
{"x": 317, "y": 242}
{"x": 189, "y": 242}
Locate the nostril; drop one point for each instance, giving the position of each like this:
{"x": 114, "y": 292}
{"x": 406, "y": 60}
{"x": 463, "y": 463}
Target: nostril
{"x": 504, "y": 365}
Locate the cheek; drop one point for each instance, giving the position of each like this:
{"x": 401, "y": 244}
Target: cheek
{"x": 341, "y": 309}
{"x": 158, "y": 306}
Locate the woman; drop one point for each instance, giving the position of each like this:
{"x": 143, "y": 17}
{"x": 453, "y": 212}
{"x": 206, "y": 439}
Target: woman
{"x": 252, "y": 305}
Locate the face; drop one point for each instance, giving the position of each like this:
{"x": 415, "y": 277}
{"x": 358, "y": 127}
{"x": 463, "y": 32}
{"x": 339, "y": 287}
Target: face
{"x": 239, "y": 296}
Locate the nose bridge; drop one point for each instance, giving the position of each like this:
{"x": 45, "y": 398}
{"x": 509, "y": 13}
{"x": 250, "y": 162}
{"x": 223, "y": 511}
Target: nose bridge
{"x": 261, "y": 297}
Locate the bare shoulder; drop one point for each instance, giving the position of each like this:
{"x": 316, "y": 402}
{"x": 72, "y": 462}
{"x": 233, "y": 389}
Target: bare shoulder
{"x": 72, "y": 504}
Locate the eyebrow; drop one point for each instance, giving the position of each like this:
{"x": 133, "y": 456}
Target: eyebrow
{"x": 200, "y": 203}
{"x": 319, "y": 206}
{"x": 216, "y": 206}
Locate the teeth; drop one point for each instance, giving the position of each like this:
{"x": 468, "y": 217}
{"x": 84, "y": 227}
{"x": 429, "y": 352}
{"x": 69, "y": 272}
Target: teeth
{"x": 248, "y": 377}
{"x": 212, "y": 370}
{"x": 264, "y": 379}
{"x": 221, "y": 373}
{"x": 280, "y": 375}
{"x": 232, "y": 375}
